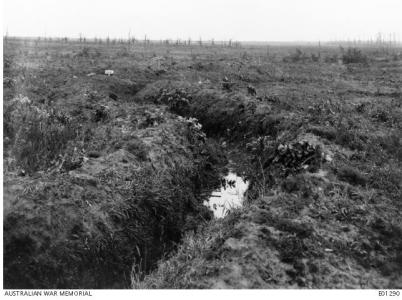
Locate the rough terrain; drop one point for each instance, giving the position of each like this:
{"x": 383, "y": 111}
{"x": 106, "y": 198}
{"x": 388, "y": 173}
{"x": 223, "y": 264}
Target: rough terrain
{"x": 115, "y": 180}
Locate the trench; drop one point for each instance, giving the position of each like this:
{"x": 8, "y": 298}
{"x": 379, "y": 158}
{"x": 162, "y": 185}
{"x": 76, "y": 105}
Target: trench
{"x": 228, "y": 190}
{"x": 225, "y": 191}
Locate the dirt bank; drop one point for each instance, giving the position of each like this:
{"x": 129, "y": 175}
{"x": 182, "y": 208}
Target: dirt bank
{"x": 86, "y": 227}
{"x": 232, "y": 114}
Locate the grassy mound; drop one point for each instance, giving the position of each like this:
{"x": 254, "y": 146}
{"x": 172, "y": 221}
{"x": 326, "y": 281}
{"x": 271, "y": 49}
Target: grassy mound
{"x": 85, "y": 203}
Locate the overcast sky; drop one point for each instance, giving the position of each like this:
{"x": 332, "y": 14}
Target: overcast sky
{"x": 245, "y": 20}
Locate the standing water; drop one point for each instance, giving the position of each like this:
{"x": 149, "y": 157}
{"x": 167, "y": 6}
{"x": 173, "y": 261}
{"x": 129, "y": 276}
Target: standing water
{"x": 229, "y": 196}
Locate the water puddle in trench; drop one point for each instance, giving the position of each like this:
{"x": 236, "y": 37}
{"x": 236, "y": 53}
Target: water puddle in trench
{"x": 229, "y": 196}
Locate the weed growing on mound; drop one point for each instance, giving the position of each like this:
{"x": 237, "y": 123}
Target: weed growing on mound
{"x": 352, "y": 175}
{"x": 177, "y": 99}
{"x": 36, "y": 136}
{"x": 195, "y": 249}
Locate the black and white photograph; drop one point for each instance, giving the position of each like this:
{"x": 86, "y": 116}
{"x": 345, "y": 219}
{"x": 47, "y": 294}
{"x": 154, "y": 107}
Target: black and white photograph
{"x": 201, "y": 145}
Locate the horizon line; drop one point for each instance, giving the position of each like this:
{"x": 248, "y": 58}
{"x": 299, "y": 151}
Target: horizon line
{"x": 348, "y": 40}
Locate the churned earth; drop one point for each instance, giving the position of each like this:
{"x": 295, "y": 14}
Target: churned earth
{"x": 104, "y": 177}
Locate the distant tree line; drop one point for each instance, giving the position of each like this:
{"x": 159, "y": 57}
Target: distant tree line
{"x": 133, "y": 41}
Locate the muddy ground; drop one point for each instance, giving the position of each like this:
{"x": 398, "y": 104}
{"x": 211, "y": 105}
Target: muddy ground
{"x": 104, "y": 177}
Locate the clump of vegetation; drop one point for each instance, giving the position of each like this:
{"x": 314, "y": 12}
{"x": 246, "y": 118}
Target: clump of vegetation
{"x": 392, "y": 143}
{"x": 351, "y": 139}
{"x": 354, "y": 56}
{"x": 151, "y": 119}
{"x": 100, "y": 114}
{"x": 352, "y": 175}
{"x": 138, "y": 148}
{"x": 381, "y": 115}
{"x": 340, "y": 135}
{"x": 297, "y": 156}
{"x": 195, "y": 134}
{"x": 177, "y": 99}
{"x": 36, "y": 135}
{"x": 329, "y": 133}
